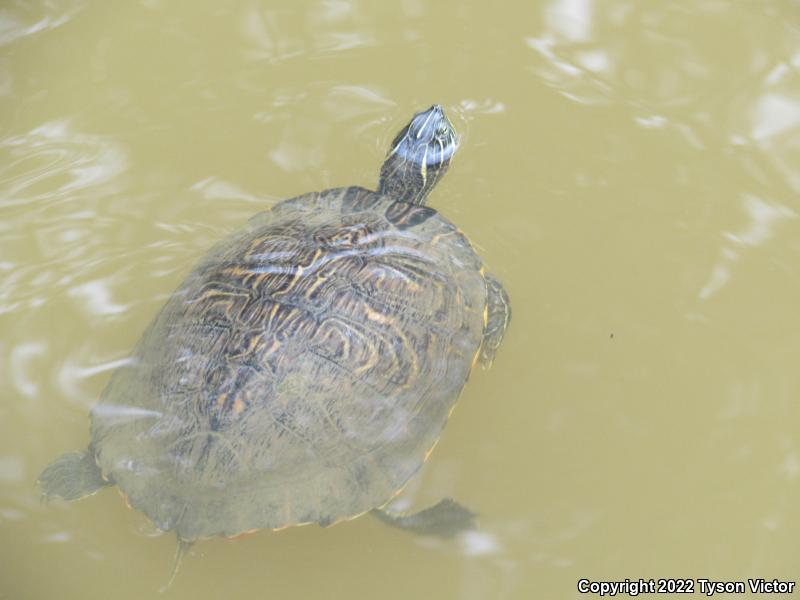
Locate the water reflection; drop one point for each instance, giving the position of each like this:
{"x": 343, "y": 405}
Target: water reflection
{"x": 776, "y": 122}
{"x": 214, "y": 188}
{"x": 479, "y": 543}
{"x": 277, "y": 36}
{"x": 23, "y": 373}
{"x": 18, "y": 19}
{"x": 72, "y": 378}
{"x": 764, "y": 218}
{"x": 96, "y": 299}
{"x": 299, "y": 144}
{"x": 570, "y": 19}
{"x": 629, "y": 167}
{"x": 345, "y": 102}
{"x": 53, "y": 162}
{"x": 774, "y": 114}
{"x": 486, "y": 106}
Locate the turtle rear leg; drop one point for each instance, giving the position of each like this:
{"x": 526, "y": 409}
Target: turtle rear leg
{"x": 72, "y": 476}
{"x": 444, "y": 519}
{"x": 498, "y": 316}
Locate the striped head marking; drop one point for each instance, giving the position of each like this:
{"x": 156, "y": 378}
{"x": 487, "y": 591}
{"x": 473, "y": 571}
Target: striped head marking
{"x": 419, "y": 156}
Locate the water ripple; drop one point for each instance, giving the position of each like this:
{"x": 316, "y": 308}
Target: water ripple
{"x": 52, "y": 162}
{"x": 335, "y": 25}
{"x": 764, "y": 218}
{"x": 44, "y": 174}
{"x": 27, "y": 19}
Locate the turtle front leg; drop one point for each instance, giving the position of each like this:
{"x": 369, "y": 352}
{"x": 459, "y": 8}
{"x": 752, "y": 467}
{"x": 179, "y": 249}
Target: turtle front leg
{"x": 498, "y": 316}
{"x": 447, "y": 518}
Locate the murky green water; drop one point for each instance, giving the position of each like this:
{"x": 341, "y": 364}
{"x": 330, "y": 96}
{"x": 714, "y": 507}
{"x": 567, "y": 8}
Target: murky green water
{"x": 629, "y": 170}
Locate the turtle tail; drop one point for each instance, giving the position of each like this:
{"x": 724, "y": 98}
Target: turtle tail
{"x": 180, "y": 552}
{"x": 72, "y": 476}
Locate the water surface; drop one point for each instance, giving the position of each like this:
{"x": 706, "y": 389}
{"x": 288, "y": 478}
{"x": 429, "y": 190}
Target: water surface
{"x": 628, "y": 170}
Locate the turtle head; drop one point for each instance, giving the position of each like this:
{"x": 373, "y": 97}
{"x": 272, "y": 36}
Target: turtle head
{"x": 419, "y": 156}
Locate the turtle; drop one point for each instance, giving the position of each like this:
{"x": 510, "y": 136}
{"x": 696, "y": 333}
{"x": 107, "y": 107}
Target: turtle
{"x": 306, "y": 367}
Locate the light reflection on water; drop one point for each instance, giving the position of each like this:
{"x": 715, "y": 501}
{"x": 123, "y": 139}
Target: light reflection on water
{"x": 626, "y": 169}
{"x": 57, "y": 159}
{"x": 764, "y": 219}
{"x": 19, "y": 20}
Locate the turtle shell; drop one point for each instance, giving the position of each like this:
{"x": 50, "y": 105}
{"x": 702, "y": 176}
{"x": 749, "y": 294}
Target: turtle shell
{"x": 301, "y": 373}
